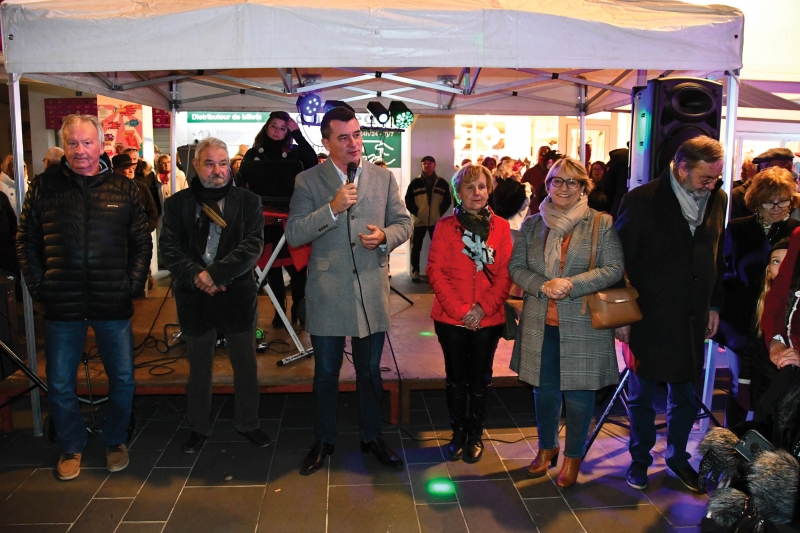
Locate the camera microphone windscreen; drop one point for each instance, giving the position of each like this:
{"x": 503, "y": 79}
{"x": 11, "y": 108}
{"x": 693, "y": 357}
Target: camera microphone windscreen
{"x": 351, "y": 172}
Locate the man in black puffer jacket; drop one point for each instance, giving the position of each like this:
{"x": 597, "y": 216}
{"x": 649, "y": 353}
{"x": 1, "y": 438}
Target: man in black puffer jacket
{"x": 84, "y": 251}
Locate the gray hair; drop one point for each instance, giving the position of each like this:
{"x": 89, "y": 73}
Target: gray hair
{"x": 54, "y": 154}
{"x": 697, "y": 149}
{"x": 70, "y": 120}
{"x": 208, "y": 142}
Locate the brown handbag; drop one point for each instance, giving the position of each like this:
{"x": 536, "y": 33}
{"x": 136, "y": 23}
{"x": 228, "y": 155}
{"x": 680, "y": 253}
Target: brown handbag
{"x": 610, "y": 308}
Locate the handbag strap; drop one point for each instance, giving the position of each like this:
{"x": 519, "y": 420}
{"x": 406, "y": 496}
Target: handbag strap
{"x": 595, "y": 232}
{"x": 593, "y": 257}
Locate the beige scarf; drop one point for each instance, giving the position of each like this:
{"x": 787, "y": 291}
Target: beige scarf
{"x": 561, "y": 224}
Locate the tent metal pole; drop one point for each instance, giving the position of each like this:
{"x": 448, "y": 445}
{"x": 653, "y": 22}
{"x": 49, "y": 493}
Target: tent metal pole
{"x": 582, "y": 146}
{"x": 173, "y": 139}
{"x": 731, "y": 114}
{"x": 27, "y": 303}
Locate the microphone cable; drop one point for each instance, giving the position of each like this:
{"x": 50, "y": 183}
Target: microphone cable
{"x": 352, "y": 168}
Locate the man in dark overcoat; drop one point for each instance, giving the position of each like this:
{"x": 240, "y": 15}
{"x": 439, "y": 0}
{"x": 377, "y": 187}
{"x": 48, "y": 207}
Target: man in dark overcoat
{"x": 212, "y": 235}
{"x": 672, "y": 233}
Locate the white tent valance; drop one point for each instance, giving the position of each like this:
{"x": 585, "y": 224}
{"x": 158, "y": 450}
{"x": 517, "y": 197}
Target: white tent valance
{"x": 113, "y": 35}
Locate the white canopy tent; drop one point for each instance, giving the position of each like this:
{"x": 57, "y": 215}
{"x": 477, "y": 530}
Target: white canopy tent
{"x": 528, "y": 57}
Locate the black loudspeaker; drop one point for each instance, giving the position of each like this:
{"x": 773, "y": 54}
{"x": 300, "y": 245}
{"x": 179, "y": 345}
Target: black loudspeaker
{"x": 667, "y": 113}
{"x": 186, "y": 153}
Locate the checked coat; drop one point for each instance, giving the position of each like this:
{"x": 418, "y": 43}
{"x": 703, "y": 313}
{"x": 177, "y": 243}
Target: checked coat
{"x": 588, "y": 357}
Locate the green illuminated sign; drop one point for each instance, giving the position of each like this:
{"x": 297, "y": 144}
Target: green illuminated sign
{"x": 384, "y": 145}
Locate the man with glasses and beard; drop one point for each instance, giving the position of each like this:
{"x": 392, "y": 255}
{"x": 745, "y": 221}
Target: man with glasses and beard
{"x": 672, "y": 233}
{"x": 211, "y": 237}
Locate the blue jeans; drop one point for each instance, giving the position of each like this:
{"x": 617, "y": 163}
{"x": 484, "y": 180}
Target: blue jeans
{"x": 547, "y": 400}
{"x": 63, "y": 347}
{"x": 328, "y": 354}
{"x": 681, "y": 413}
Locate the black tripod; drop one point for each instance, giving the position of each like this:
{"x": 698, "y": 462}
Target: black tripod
{"x": 401, "y": 295}
{"x": 621, "y": 393}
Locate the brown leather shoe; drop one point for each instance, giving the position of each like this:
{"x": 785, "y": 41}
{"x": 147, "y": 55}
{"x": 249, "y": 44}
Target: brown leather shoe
{"x": 117, "y": 458}
{"x": 544, "y": 459}
{"x": 569, "y": 472}
{"x": 69, "y": 466}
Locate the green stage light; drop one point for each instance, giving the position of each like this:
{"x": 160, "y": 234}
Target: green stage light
{"x": 402, "y": 115}
{"x": 441, "y": 487}
{"x": 427, "y": 333}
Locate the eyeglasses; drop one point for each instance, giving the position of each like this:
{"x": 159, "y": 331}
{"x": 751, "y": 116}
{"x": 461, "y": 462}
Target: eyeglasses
{"x": 780, "y": 204}
{"x": 707, "y": 181}
{"x": 556, "y": 183}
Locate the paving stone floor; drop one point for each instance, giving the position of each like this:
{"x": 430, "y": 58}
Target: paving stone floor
{"x": 231, "y": 486}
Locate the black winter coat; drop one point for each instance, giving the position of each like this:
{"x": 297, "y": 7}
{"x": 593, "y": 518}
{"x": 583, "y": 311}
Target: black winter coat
{"x": 507, "y": 198}
{"x": 746, "y": 257}
{"x": 271, "y": 150}
{"x": 83, "y": 244}
{"x": 150, "y": 181}
{"x": 678, "y": 276}
{"x": 739, "y": 208}
{"x": 240, "y": 246}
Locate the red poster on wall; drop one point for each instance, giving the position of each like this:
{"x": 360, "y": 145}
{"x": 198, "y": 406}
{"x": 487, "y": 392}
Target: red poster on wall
{"x": 55, "y": 109}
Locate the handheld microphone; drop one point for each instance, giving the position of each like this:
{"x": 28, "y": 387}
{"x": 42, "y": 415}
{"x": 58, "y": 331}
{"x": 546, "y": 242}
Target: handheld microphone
{"x": 351, "y": 172}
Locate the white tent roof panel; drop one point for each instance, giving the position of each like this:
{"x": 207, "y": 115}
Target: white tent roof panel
{"x": 111, "y": 35}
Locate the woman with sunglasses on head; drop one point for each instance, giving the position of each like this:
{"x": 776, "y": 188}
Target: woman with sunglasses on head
{"x": 557, "y": 350}
{"x": 468, "y": 272}
{"x": 771, "y": 196}
{"x": 280, "y": 139}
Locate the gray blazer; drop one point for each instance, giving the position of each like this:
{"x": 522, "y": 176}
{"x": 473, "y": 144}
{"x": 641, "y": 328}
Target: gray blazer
{"x": 588, "y": 358}
{"x": 333, "y": 291}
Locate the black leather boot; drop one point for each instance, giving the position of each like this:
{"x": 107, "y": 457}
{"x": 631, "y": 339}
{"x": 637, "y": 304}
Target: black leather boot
{"x": 299, "y": 312}
{"x": 455, "y": 449}
{"x": 457, "y": 405}
{"x": 477, "y": 417}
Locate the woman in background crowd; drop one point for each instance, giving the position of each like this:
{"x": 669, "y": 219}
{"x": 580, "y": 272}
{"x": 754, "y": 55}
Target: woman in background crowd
{"x": 598, "y": 199}
{"x": 164, "y": 176}
{"x": 756, "y": 370}
{"x": 771, "y": 195}
{"x": 7, "y": 185}
{"x": 468, "y": 272}
{"x": 280, "y": 139}
{"x": 557, "y": 349}
{"x": 510, "y": 198}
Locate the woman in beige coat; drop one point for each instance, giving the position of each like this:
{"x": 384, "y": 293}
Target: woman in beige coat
{"x": 557, "y": 350}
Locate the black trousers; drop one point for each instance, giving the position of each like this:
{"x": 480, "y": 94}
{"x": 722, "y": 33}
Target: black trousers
{"x": 242, "y": 353}
{"x": 417, "y": 238}
{"x": 298, "y": 283}
{"x": 468, "y": 359}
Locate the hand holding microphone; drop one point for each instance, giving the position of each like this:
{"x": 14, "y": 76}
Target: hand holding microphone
{"x": 348, "y": 194}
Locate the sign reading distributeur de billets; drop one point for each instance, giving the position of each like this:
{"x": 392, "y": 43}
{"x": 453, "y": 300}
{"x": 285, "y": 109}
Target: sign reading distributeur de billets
{"x": 214, "y": 116}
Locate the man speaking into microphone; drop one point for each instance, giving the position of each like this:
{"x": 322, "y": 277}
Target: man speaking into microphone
{"x": 352, "y": 214}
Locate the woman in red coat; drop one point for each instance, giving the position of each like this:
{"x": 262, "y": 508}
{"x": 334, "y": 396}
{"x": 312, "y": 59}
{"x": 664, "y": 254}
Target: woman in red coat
{"x": 468, "y": 271}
